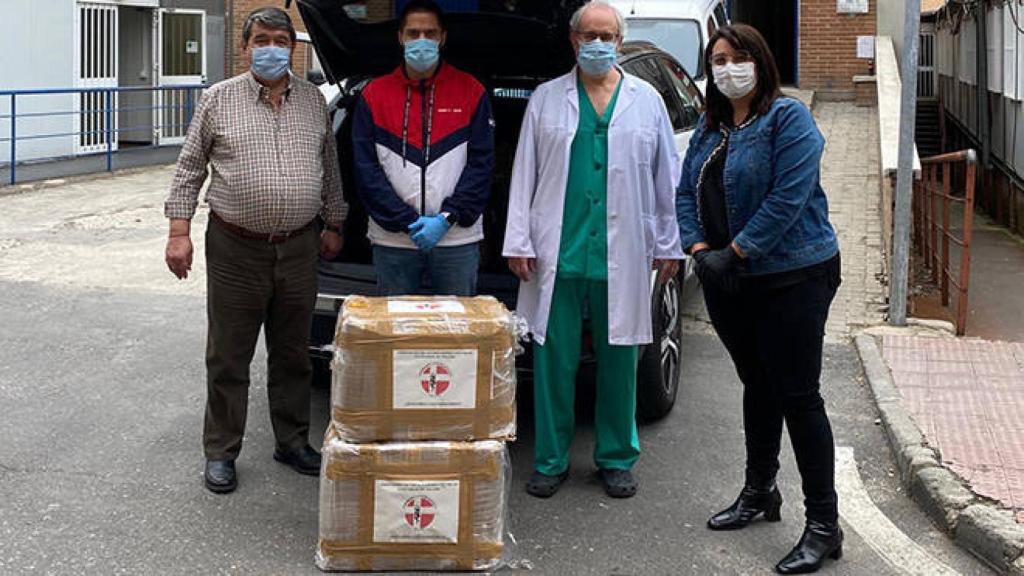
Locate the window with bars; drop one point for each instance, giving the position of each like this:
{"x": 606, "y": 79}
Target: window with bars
{"x": 926, "y": 66}
{"x": 97, "y": 68}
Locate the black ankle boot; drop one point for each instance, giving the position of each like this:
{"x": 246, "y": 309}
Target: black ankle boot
{"x": 818, "y": 542}
{"x": 752, "y": 501}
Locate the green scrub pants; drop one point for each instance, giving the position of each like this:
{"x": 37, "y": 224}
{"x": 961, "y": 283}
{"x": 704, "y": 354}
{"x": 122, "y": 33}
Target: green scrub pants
{"x": 555, "y": 365}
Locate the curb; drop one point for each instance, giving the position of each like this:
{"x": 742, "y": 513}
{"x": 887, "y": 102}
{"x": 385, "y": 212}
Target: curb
{"x": 974, "y": 522}
{"x": 34, "y": 185}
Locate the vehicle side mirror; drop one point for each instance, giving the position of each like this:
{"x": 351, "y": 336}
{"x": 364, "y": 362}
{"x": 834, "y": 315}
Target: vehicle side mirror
{"x": 316, "y": 77}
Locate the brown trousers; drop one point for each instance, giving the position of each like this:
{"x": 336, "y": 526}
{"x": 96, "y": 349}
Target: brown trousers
{"x": 252, "y": 284}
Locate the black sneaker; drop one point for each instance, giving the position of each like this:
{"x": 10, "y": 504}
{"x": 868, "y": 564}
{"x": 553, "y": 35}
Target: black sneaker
{"x": 544, "y": 486}
{"x": 618, "y": 483}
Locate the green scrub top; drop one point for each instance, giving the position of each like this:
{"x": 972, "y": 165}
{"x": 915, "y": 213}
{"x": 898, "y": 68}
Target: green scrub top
{"x": 583, "y": 252}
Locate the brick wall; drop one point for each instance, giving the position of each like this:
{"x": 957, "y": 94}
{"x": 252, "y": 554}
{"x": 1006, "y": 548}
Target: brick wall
{"x": 828, "y": 47}
{"x": 377, "y": 10}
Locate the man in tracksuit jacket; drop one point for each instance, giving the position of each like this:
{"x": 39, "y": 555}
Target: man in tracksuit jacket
{"x": 423, "y": 145}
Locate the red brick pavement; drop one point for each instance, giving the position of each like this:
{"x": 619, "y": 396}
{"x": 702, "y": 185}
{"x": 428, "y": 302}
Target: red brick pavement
{"x": 967, "y": 396}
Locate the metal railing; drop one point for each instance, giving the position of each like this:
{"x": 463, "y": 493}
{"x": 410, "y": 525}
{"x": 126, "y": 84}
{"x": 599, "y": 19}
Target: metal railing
{"x": 97, "y": 122}
{"x": 934, "y": 199}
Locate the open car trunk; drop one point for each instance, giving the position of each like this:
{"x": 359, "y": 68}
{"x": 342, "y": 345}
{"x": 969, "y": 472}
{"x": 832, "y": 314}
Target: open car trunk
{"x": 508, "y": 107}
{"x": 510, "y": 46}
{"x": 525, "y": 39}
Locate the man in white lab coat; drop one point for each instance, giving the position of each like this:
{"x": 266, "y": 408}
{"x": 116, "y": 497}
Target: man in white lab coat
{"x": 591, "y": 213}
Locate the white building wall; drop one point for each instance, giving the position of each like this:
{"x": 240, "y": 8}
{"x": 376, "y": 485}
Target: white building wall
{"x": 891, "y": 15}
{"x": 38, "y": 41}
{"x": 1005, "y": 58}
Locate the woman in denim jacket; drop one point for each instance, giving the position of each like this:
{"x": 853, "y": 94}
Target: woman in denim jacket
{"x": 753, "y": 215}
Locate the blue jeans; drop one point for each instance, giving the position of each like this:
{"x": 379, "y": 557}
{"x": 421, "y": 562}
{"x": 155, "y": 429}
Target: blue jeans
{"x": 450, "y": 270}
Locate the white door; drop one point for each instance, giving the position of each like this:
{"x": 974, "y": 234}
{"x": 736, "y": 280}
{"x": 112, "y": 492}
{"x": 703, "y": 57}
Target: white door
{"x": 95, "y": 67}
{"x": 180, "y": 48}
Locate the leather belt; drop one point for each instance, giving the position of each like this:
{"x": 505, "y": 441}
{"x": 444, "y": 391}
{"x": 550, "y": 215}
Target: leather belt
{"x": 274, "y": 238}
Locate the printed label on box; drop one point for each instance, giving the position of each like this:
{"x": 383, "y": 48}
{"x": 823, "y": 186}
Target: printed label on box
{"x": 425, "y": 306}
{"x": 416, "y": 511}
{"x": 433, "y": 379}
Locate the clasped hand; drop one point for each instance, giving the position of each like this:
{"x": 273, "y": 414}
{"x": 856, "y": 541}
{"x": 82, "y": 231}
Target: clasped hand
{"x": 718, "y": 267}
{"x": 427, "y": 231}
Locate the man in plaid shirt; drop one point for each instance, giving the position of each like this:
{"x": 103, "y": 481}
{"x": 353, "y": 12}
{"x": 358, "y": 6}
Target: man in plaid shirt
{"x": 266, "y": 136}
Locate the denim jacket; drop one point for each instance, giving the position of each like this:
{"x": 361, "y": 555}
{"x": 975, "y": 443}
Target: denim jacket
{"x": 777, "y": 210}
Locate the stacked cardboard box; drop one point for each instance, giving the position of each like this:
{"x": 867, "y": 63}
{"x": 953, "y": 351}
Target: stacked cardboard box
{"x": 415, "y": 464}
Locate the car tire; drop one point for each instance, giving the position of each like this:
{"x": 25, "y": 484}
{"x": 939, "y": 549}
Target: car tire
{"x": 658, "y": 371}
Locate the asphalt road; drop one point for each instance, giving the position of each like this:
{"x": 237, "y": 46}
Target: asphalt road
{"x": 102, "y": 393}
{"x": 100, "y": 464}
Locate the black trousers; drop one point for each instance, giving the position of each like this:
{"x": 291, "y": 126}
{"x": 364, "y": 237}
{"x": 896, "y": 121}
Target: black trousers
{"x": 775, "y": 336}
{"x": 252, "y": 285}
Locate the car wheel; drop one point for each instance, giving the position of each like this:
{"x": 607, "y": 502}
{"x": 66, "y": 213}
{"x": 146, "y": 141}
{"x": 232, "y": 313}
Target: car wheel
{"x": 658, "y": 370}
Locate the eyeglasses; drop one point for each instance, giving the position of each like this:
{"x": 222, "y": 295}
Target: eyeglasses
{"x": 602, "y": 36}
{"x": 739, "y": 57}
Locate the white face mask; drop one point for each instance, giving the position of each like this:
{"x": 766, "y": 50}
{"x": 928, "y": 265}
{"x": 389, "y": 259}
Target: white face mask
{"x": 735, "y": 80}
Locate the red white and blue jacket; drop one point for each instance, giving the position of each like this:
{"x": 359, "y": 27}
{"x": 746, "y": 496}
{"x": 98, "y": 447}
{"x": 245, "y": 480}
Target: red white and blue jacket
{"x": 405, "y": 167}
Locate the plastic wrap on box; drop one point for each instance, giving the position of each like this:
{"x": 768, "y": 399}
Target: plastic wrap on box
{"x": 412, "y": 506}
{"x": 424, "y": 368}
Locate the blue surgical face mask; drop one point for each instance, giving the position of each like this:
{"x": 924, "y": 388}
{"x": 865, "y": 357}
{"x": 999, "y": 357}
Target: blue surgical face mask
{"x": 270, "y": 62}
{"x": 422, "y": 54}
{"x": 596, "y": 58}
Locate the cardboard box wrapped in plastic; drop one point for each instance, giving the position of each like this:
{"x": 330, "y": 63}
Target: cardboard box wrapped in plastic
{"x": 424, "y": 368}
{"x": 412, "y": 506}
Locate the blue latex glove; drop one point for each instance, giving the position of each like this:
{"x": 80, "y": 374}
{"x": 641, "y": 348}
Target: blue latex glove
{"x": 427, "y": 231}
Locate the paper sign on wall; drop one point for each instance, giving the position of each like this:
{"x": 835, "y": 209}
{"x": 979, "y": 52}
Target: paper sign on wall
{"x": 865, "y": 46}
{"x": 416, "y": 511}
{"x": 852, "y": 6}
{"x": 434, "y": 379}
{"x": 191, "y": 47}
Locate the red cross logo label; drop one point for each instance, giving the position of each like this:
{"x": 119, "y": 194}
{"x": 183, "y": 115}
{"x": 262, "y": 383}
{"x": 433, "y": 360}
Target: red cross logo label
{"x": 419, "y": 512}
{"x": 435, "y": 378}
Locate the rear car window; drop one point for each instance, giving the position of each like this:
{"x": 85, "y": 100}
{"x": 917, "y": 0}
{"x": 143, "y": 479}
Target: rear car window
{"x": 689, "y": 95}
{"x": 649, "y": 69}
{"x": 680, "y": 38}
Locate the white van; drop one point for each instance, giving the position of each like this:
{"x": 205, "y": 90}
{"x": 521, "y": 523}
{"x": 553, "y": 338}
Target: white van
{"x": 679, "y": 27}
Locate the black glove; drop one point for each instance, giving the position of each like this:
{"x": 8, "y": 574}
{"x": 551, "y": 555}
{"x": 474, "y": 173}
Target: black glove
{"x": 718, "y": 268}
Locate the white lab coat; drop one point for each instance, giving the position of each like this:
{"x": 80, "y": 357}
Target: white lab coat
{"x": 643, "y": 170}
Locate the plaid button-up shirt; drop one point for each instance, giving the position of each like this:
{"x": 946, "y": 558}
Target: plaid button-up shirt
{"x": 272, "y": 171}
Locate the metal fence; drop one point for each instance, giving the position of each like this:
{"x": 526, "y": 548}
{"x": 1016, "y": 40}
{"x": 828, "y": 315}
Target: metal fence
{"x": 947, "y": 183}
{"x": 94, "y": 118}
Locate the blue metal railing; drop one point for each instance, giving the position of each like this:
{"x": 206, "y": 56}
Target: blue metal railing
{"x": 109, "y": 131}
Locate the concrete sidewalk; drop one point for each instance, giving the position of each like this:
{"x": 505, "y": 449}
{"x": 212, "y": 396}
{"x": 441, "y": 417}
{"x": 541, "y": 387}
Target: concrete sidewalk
{"x": 967, "y": 397}
{"x": 954, "y": 407}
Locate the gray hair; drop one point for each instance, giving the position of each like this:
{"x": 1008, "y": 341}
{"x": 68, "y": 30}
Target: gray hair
{"x": 270, "y": 17}
{"x": 577, "y": 16}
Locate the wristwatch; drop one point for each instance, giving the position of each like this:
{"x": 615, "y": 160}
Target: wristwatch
{"x": 451, "y": 218}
